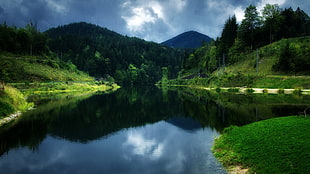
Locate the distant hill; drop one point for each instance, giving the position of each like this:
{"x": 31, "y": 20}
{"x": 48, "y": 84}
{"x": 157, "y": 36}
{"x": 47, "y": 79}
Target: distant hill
{"x": 102, "y": 52}
{"x": 190, "y": 39}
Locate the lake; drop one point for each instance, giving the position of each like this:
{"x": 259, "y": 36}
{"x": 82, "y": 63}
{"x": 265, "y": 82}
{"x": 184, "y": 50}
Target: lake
{"x": 132, "y": 130}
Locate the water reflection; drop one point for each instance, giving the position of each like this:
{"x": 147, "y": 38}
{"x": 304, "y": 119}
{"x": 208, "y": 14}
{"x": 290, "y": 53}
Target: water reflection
{"x": 133, "y": 130}
{"x": 155, "y": 148}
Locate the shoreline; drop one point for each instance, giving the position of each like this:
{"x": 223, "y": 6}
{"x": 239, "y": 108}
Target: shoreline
{"x": 245, "y": 90}
{"x": 10, "y": 118}
{"x": 89, "y": 89}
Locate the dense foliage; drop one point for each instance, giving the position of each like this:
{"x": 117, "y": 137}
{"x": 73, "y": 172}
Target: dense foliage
{"x": 255, "y": 30}
{"x": 26, "y": 40}
{"x": 12, "y": 100}
{"x": 103, "y": 53}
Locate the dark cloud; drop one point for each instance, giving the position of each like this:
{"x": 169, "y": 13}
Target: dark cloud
{"x": 155, "y": 20}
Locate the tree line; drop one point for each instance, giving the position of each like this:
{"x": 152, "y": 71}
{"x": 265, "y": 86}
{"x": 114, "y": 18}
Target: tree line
{"x": 26, "y": 40}
{"x": 255, "y": 30}
{"x": 104, "y": 53}
{"x": 98, "y": 51}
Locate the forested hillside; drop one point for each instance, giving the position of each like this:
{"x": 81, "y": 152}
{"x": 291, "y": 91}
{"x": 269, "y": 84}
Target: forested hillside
{"x": 104, "y": 53}
{"x": 26, "y": 57}
{"x": 240, "y": 41}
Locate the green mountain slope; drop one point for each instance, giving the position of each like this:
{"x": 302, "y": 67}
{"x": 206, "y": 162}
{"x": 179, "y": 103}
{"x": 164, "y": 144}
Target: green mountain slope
{"x": 266, "y": 60}
{"x": 282, "y": 64}
{"x": 16, "y": 68}
{"x": 102, "y": 52}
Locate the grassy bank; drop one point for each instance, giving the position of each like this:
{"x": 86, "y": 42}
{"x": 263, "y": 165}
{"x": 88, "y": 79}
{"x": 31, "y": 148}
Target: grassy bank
{"x": 25, "y": 74}
{"x": 18, "y": 68}
{"x": 12, "y": 100}
{"x": 279, "y": 145}
{"x": 63, "y": 87}
{"x": 13, "y": 97}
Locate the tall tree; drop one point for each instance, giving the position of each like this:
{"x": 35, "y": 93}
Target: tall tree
{"x": 229, "y": 34}
{"x": 249, "y": 26}
{"x": 272, "y": 20}
{"x": 303, "y": 22}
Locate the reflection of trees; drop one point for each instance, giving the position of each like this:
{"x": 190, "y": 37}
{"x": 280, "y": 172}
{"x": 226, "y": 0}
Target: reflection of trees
{"x": 28, "y": 134}
{"x": 219, "y": 110}
{"x": 87, "y": 118}
{"x": 83, "y": 119}
{"x": 30, "y": 129}
{"x": 102, "y": 115}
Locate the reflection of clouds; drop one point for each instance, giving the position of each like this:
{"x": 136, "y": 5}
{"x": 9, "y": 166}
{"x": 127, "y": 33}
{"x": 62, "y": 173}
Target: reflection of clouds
{"x": 176, "y": 165}
{"x": 158, "y": 148}
{"x": 144, "y": 147}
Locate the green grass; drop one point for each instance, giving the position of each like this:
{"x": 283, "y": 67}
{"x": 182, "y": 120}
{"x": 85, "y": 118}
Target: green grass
{"x": 63, "y": 87}
{"x": 244, "y": 72}
{"x": 279, "y": 145}
{"x": 13, "y": 97}
{"x": 12, "y": 100}
{"x": 285, "y": 82}
{"x": 16, "y": 68}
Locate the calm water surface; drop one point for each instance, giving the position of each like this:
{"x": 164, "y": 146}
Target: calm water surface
{"x": 144, "y": 130}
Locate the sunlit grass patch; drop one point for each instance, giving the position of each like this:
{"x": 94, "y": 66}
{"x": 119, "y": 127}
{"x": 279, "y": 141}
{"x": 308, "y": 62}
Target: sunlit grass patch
{"x": 12, "y": 100}
{"x": 279, "y": 145}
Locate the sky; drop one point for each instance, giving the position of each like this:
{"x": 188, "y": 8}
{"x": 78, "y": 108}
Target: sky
{"x": 152, "y": 20}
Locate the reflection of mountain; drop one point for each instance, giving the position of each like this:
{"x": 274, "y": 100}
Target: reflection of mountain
{"x": 102, "y": 115}
{"x": 185, "y": 123}
{"x": 91, "y": 118}
{"x": 86, "y": 119}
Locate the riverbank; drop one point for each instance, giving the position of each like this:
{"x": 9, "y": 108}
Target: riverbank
{"x": 278, "y": 145}
{"x": 244, "y": 90}
{"x": 14, "y": 96}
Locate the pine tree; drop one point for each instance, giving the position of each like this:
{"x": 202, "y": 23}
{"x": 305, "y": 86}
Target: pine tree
{"x": 249, "y": 26}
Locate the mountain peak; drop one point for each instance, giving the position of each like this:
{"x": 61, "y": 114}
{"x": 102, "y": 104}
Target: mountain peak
{"x": 189, "y": 39}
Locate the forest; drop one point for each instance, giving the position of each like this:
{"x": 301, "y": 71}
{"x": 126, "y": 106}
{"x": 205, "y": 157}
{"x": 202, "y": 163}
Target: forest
{"x": 107, "y": 54}
{"x": 101, "y": 53}
{"x": 256, "y": 30}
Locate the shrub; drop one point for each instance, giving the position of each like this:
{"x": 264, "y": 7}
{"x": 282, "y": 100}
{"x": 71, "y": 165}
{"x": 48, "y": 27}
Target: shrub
{"x": 233, "y": 90}
{"x": 249, "y": 90}
{"x": 5, "y": 108}
{"x": 297, "y": 91}
{"x": 281, "y": 91}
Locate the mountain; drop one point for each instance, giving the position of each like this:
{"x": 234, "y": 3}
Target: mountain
{"x": 190, "y": 39}
{"x": 105, "y": 53}
{"x": 185, "y": 123}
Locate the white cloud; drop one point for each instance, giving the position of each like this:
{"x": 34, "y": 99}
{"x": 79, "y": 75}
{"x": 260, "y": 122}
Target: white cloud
{"x": 59, "y": 8}
{"x": 141, "y": 13}
{"x": 148, "y": 148}
{"x": 239, "y": 13}
{"x": 179, "y": 4}
{"x": 139, "y": 17}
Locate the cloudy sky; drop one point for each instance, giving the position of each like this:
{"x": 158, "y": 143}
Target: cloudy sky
{"x": 153, "y": 20}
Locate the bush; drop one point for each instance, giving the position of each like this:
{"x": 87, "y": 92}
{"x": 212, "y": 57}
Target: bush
{"x": 281, "y": 91}
{"x": 249, "y": 90}
{"x": 6, "y": 109}
{"x": 297, "y": 91}
{"x": 233, "y": 90}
